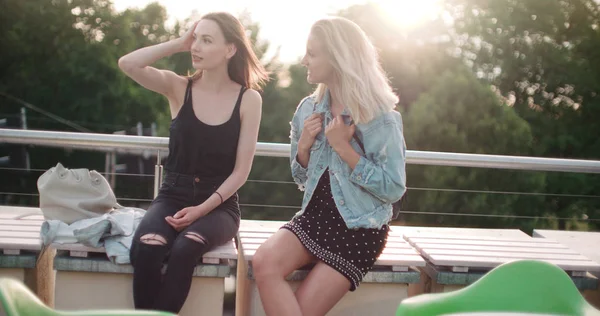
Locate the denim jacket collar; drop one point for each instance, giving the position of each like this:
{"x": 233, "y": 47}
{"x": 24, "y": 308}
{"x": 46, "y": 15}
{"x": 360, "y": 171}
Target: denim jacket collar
{"x": 325, "y": 105}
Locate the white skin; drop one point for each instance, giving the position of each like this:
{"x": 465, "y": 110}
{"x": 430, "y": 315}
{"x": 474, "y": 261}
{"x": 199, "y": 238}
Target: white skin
{"x": 324, "y": 286}
{"x": 215, "y": 95}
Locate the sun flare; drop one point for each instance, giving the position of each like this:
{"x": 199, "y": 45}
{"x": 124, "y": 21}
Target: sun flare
{"x": 409, "y": 13}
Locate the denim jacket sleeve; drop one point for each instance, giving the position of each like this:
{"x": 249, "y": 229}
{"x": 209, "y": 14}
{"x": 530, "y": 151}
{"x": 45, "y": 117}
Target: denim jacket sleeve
{"x": 299, "y": 173}
{"x": 382, "y": 172}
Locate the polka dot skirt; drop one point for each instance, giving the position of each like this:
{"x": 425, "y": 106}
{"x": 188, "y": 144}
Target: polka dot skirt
{"x": 321, "y": 229}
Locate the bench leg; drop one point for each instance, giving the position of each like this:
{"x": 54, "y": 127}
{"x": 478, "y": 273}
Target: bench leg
{"x": 593, "y": 297}
{"x": 41, "y": 279}
{"x": 242, "y": 287}
{"x": 424, "y": 285}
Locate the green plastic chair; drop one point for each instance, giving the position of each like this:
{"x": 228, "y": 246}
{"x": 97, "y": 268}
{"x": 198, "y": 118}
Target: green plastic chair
{"x": 18, "y": 300}
{"x": 523, "y": 286}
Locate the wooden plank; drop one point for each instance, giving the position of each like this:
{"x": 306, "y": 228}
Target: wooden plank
{"x": 492, "y": 262}
{"x": 265, "y": 230}
{"x": 15, "y": 228}
{"x": 19, "y": 210}
{"x": 390, "y": 244}
{"x": 460, "y": 269}
{"x": 566, "y": 251}
{"x": 78, "y": 254}
{"x": 18, "y": 234}
{"x": 22, "y": 222}
{"x": 254, "y": 226}
{"x": 421, "y": 242}
{"x": 509, "y": 254}
{"x": 482, "y": 238}
{"x": 211, "y": 260}
{"x": 227, "y": 251}
{"x": 263, "y": 236}
{"x": 400, "y": 268}
{"x": 266, "y": 235}
{"x": 586, "y": 243}
{"x": 24, "y": 216}
{"x": 397, "y": 251}
{"x": 512, "y": 233}
{"x": 258, "y": 225}
{"x": 20, "y": 243}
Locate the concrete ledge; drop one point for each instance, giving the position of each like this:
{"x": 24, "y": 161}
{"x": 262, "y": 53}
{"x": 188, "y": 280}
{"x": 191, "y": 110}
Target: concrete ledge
{"x": 442, "y": 276}
{"x": 22, "y": 261}
{"x": 64, "y": 262}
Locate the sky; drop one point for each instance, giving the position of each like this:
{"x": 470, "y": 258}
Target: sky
{"x": 282, "y": 29}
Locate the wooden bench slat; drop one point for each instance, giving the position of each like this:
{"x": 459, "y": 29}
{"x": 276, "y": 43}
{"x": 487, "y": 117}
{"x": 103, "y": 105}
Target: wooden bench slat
{"x": 400, "y": 260}
{"x": 21, "y": 216}
{"x": 507, "y": 254}
{"x": 18, "y": 234}
{"x": 587, "y": 243}
{"x": 451, "y": 247}
{"x": 481, "y": 238}
{"x": 483, "y": 232}
{"x": 20, "y": 230}
{"x": 491, "y": 262}
{"x": 17, "y": 228}
{"x": 227, "y": 251}
{"x": 21, "y": 222}
{"x": 422, "y": 241}
{"x": 392, "y": 243}
{"x": 20, "y": 243}
{"x": 265, "y": 235}
{"x": 387, "y": 250}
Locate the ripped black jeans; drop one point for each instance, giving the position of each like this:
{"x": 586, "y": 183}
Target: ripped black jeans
{"x": 181, "y": 251}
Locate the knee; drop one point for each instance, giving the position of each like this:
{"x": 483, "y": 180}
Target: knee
{"x": 189, "y": 247}
{"x": 148, "y": 248}
{"x": 266, "y": 263}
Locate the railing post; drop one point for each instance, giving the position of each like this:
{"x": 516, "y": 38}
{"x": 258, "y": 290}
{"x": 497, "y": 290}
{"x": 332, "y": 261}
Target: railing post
{"x": 158, "y": 170}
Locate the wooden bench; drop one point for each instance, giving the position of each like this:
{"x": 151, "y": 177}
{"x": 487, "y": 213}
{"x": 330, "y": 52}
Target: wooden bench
{"x": 586, "y": 243}
{"x": 456, "y": 258}
{"x": 380, "y": 293}
{"x": 20, "y": 244}
{"x": 84, "y": 278}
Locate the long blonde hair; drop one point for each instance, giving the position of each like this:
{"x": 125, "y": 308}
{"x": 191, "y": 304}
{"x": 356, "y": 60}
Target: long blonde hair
{"x": 363, "y": 85}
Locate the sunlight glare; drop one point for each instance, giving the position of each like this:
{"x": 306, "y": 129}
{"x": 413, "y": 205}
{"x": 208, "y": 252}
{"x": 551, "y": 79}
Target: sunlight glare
{"x": 410, "y": 13}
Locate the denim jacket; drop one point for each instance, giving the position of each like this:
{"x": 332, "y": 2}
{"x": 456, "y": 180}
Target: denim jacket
{"x": 363, "y": 196}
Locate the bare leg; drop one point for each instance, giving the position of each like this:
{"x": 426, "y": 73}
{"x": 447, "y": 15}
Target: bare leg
{"x": 321, "y": 290}
{"x": 279, "y": 256}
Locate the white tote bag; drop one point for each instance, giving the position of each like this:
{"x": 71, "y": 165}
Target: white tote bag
{"x": 70, "y": 195}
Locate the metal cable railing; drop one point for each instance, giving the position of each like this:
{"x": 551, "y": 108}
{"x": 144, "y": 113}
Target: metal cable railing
{"x": 157, "y": 146}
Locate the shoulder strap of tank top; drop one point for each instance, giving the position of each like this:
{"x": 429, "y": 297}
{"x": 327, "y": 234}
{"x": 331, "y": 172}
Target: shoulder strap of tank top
{"x": 239, "y": 100}
{"x": 188, "y": 91}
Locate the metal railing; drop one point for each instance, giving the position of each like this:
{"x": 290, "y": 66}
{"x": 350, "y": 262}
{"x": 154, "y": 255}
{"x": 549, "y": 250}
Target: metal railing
{"x": 157, "y": 146}
{"x": 131, "y": 144}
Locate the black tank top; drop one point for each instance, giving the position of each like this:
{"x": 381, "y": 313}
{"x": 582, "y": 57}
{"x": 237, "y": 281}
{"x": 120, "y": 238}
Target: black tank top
{"x": 199, "y": 149}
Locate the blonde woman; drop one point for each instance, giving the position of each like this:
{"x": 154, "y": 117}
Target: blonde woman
{"x": 348, "y": 154}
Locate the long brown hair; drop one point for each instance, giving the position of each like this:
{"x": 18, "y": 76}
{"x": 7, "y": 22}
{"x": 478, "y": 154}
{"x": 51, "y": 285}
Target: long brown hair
{"x": 244, "y": 67}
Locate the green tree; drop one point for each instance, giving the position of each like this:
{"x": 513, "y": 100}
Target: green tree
{"x": 62, "y": 57}
{"x": 459, "y": 114}
{"x": 542, "y": 54}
